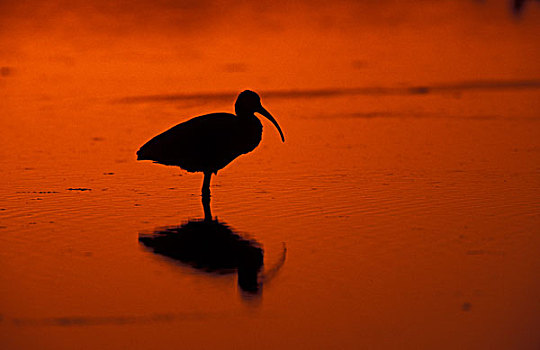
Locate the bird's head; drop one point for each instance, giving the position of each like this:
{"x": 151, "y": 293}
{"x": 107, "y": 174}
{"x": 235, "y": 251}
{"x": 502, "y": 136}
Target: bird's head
{"x": 248, "y": 102}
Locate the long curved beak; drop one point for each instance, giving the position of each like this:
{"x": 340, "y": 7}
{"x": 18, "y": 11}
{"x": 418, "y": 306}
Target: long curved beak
{"x": 267, "y": 114}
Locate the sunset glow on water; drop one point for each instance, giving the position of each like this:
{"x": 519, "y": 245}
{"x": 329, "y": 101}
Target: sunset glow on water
{"x": 402, "y": 211}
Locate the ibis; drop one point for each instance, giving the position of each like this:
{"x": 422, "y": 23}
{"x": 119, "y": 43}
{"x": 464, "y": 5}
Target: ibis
{"x": 210, "y": 142}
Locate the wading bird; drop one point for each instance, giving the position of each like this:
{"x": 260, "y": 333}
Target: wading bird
{"x": 209, "y": 142}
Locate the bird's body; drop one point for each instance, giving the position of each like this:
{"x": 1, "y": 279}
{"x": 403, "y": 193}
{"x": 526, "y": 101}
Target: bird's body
{"x": 193, "y": 146}
{"x": 210, "y": 142}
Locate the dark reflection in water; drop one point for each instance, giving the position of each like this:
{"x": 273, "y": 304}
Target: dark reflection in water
{"x": 212, "y": 246}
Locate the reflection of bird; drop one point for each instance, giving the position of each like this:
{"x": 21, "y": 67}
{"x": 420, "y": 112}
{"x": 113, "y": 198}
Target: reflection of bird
{"x": 209, "y": 142}
{"x": 211, "y": 246}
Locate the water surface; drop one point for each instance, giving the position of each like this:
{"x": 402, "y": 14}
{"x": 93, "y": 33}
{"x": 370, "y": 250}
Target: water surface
{"x": 402, "y": 211}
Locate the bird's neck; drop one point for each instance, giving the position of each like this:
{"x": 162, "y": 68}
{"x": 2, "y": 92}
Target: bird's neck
{"x": 241, "y": 114}
{"x": 249, "y": 119}
{"x": 250, "y": 127}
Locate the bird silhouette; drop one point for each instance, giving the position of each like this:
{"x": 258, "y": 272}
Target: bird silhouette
{"x": 210, "y": 142}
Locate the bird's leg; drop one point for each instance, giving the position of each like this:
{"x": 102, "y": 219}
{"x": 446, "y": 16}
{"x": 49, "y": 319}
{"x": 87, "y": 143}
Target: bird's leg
{"x": 206, "y": 184}
{"x": 206, "y": 208}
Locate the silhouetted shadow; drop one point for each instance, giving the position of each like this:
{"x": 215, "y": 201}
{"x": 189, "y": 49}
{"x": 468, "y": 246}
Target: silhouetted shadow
{"x": 211, "y": 246}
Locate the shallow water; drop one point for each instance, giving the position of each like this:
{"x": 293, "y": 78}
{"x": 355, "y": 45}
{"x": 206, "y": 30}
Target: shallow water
{"x": 401, "y": 212}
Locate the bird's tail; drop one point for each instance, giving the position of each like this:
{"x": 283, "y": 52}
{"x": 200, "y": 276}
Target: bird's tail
{"x": 142, "y": 153}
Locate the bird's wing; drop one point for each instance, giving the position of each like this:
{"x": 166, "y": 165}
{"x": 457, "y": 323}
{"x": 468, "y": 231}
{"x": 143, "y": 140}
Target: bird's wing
{"x": 207, "y": 132}
{"x": 193, "y": 144}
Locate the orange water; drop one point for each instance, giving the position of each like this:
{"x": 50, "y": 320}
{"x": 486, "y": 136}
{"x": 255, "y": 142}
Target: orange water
{"x": 407, "y": 193}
